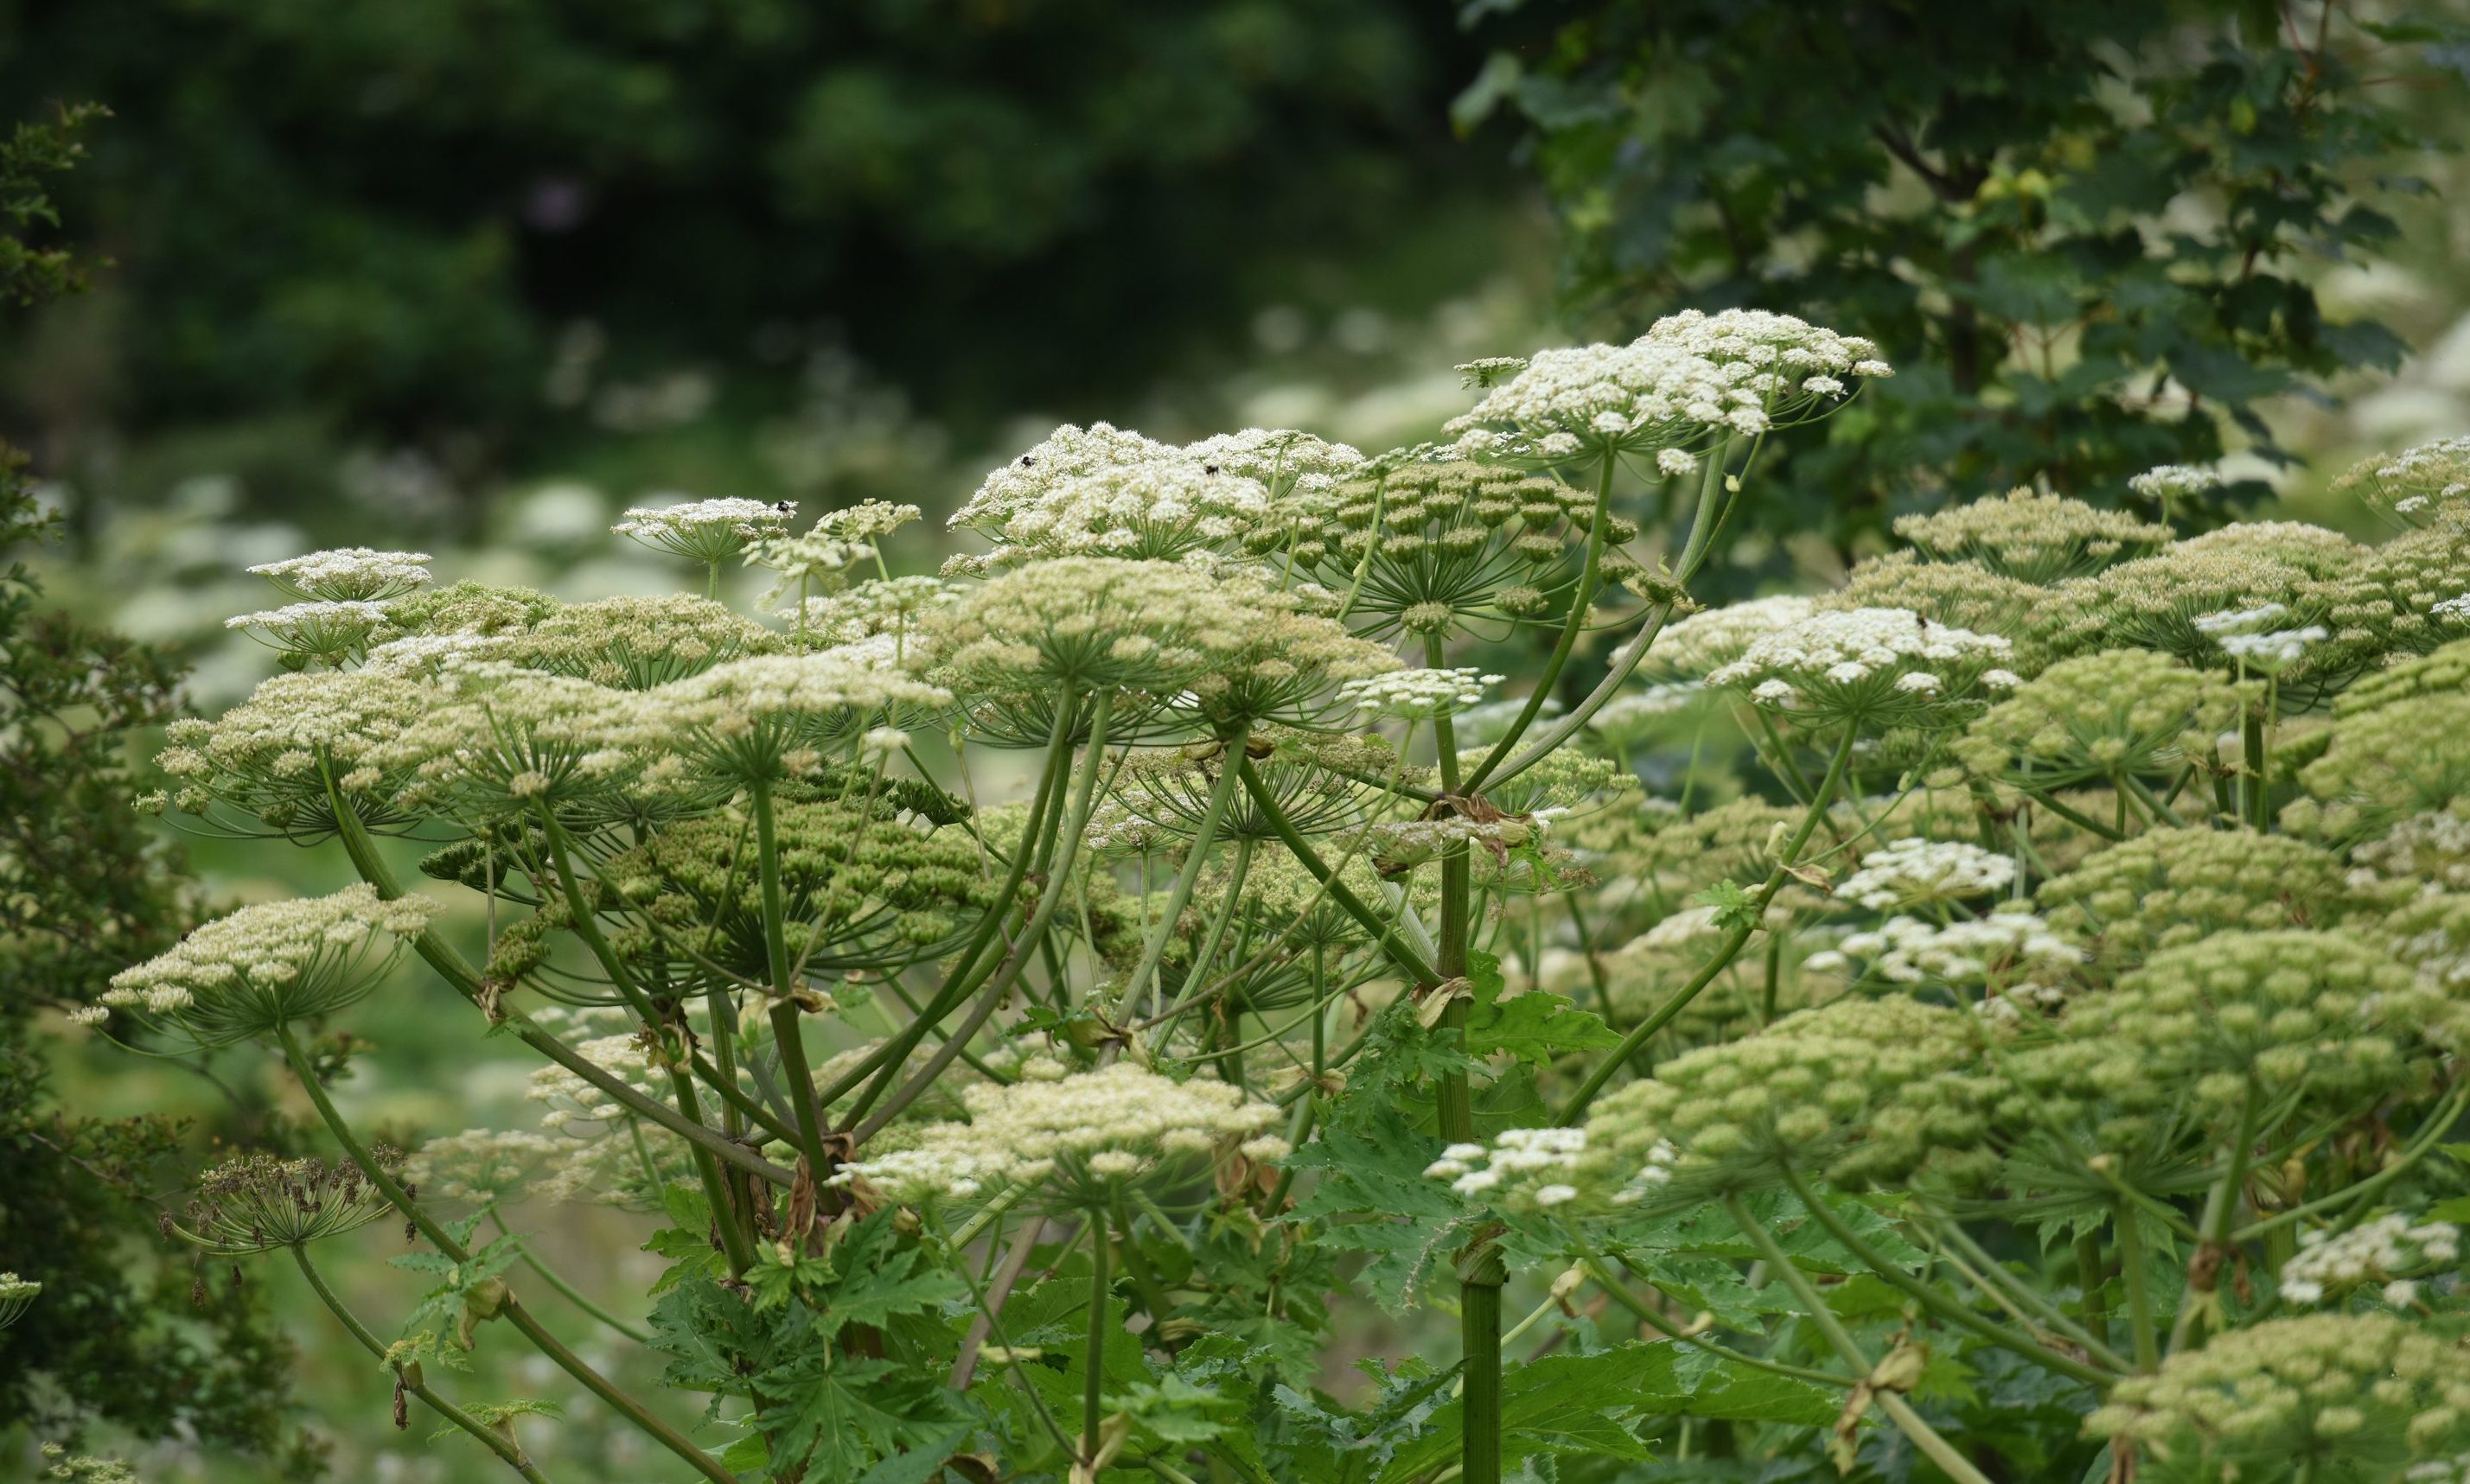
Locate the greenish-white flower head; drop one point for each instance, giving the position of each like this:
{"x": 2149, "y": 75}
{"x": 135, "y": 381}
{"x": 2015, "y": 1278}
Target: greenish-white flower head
{"x": 1293, "y": 653}
{"x": 315, "y": 633}
{"x": 629, "y": 643}
{"x": 1698, "y": 646}
{"x": 1914, "y": 872}
{"x": 861, "y": 889}
{"x": 348, "y": 574}
{"x": 2327, "y": 1017}
{"x": 1417, "y": 695}
{"x": 1858, "y": 1093}
{"x": 506, "y": 741}
{"x": 1693, "y": 379}
{"x": 1438, "y": 546}
{"x": 268, "y": 966}
{"x": 2172, "y": 485}
{"x": 2314, "y": 1391}
{"x": 582, "y": 1110}
{"x": 1087, "y": 623}
{"x": 16, "y": 1296}
{"x": 1958, "y": 594}
{"x": 2390, "y": 1253}
{"x": 756, "y": 719}
{"x": 2118, "y": 714}
{"x": 2428, "y": 852}
{"x": 1872, "y": 669}
{"x": 484, "y": 1166}
{"x": 893, "y": 608}
{"x": 2169, "y": 887}
{"x": 263, "y": 1202}
{"x": 58, "y": 1463}
{"x": 709, "y": 531}
{"x": 1297, "y": 470}
{"x": 2031, "y": 536}
{"x": 1102, "y": 491}
{"x": 1084, "y": 1135}
{"x": 2404, "y": 758}
{"x": 2251, "y": 579}
{"x": 276, "y": 755}
{"x": 820, "y": 559}
{"x": 2418, "y": 485}
{"x": 2010, "y": 963}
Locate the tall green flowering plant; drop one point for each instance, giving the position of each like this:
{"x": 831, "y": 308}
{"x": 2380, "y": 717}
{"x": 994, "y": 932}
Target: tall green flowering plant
{"x": 1943, "y": 1026}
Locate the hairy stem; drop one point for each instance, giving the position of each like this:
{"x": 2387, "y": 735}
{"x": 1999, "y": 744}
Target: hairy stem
{"x": 486, "y": 1436}
{"x": 1910, "y": 1423}
{"x": 513, "y": 1311}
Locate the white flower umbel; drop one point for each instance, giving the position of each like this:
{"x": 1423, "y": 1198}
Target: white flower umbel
{"x": 745, "y": 717}
{"x": 272, "y": 754}
{"x": 263, "y": 966}
{"x": 709, "y": 531}
{"x": 2416, "y": 485}
{"x": 1691, "y": 379}
{"x": 1522, "y": 1158}
{"x": 1914, "y": 872}
{"x": 316, "y": 633}
{"x": 1872, "y": 668}
{"x": 582, "y": 1110}
{"x": 2392, "y": 1250}
{"x": 1707, "y": 641}
{"x": 2169, "y": 484}
{"x": 2011, "y": 954}
{"x": 348, "y": 574}
{"x": 1102, "y": 491}
{"x": 514, "y": 739}
{"x": 482, "y": 1165}
{"x": 1634, "y": 715}
{"x": 1417, "y": 695}
{"x": 1088, "y": 1133}
{"x": 16, "y": 1296}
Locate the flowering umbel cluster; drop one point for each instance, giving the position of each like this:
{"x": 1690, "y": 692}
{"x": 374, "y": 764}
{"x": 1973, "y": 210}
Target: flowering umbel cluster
{"x": 2004, "y": 1015}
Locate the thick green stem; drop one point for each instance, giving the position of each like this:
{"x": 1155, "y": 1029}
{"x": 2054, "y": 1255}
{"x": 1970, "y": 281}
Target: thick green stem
{"x": 786, "y": 1032}
{"x": 486, "y": 1436}
{"x": 1924, "y": 1436}
{"x": 1735, "y": 936}
{"x": 513, "y": 1310}
{"x": 2220, "y": 1210}
{"x": 2139, "y": 1288}
{"x": 1094, "y": 1378}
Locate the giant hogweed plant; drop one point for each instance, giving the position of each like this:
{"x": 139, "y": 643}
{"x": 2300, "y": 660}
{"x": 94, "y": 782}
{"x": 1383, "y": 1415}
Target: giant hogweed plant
{"x": 2015, "y": 1037}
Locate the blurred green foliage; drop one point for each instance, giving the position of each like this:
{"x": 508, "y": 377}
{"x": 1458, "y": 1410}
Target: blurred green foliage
{"x": 392, "y": 217}
{"x": 84, "y": 887}
{"x": 2086, "y": 234}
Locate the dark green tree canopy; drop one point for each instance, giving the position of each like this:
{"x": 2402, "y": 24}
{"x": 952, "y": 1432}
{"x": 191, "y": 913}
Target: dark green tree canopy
{"x": 2084, "y": 233}
{"x": 388, "y": 215}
